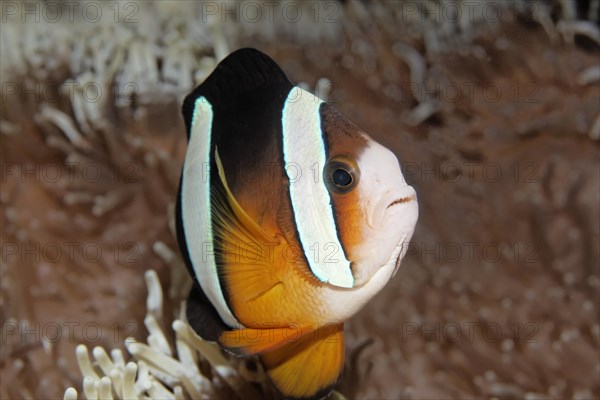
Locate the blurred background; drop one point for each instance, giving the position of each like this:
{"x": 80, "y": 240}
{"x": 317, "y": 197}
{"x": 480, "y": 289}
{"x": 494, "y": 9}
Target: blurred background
{"x": 492, "y": 107}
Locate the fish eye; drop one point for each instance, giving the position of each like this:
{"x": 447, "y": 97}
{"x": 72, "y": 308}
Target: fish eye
{"x": 341, "y": 175}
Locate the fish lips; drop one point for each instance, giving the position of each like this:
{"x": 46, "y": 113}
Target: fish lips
{"x": 390, "y": 202}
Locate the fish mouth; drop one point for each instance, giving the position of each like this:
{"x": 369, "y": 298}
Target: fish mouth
{"x": 402, "y": 200}
{"x": 389, "y": 200}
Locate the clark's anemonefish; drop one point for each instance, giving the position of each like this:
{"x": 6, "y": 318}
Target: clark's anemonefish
{"x": 290, "y": 218}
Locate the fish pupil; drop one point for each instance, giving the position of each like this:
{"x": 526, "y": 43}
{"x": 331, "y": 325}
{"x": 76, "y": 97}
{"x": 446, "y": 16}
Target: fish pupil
{"x": 341, "y": 177}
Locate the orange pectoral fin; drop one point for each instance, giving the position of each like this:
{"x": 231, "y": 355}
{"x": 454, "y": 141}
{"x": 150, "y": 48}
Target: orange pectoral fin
{"x": 246, "y": 248}
{"x": 249, "y": 341}
{"x": 309, "y": 367}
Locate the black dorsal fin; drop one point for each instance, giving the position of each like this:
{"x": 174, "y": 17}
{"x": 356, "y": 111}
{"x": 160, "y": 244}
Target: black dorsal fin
{"x": 243, "y": 74}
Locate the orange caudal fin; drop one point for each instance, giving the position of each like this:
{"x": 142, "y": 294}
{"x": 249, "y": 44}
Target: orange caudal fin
{"x": 310, "y": 367}
{"x": 250, "y": 341}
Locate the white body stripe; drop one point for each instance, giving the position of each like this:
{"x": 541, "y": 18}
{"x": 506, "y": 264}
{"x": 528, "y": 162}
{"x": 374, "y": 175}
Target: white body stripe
{"x": 304, "y": 155}
{"x": 195, "y": 206}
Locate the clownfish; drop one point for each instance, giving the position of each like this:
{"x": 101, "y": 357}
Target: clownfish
{"x": 289, "y": 217}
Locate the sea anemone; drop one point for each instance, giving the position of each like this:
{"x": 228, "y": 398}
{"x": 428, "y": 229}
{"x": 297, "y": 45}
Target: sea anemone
{"x": 186, "y": 367}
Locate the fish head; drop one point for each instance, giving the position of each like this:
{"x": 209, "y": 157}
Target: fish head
{"x": 376, "y": 210}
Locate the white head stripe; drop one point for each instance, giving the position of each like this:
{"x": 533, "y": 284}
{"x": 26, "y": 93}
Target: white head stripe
{"x": 195, "y": 209}
{"x": 304, "y": 156}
